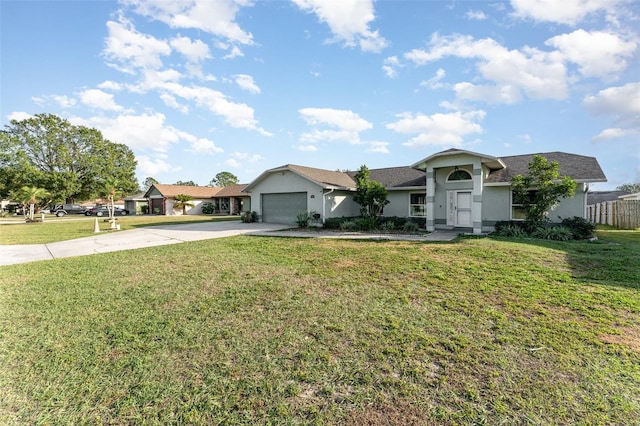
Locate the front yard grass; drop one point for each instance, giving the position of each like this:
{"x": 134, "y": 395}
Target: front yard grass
{"x": 55, "y": 229}
{"x": 256, "y": 330}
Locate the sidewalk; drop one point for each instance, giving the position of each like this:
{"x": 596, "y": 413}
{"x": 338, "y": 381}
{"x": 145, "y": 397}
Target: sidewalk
{"x": 174, "y": 234}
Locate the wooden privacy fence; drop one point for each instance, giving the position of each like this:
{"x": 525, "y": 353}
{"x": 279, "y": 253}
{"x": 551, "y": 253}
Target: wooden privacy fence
{"x": 623, "y": 214}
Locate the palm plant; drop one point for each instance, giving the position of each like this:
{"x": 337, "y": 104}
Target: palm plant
{"x": 182, "y": 202}
{"x": 30, "y": 195}
{"x": 112, "y": 190}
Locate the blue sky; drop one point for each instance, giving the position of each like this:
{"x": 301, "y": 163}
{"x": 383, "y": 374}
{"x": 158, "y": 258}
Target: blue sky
{"x": 199, "y": 87}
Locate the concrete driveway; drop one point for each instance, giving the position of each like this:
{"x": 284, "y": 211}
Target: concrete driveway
{"x": 132, "y": 239}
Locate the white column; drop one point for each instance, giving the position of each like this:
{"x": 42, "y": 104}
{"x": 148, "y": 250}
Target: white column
{"x": 430, "y": 199}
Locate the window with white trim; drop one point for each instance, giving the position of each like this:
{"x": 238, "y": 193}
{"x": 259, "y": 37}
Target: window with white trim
{"x": 458, "y": 175}
{"x": 417, "y": 205}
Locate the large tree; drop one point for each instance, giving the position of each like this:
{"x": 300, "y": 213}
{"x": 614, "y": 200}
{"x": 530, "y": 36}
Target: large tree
{"x": 68, "y": 161}
{"x": 370, "y": 194}
{"x": 540, "y": 190}
{"x": 224, "y": 179}
{"x": 148, "y": 183}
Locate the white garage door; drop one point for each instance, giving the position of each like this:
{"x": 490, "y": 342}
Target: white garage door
{"x": 283, "y": 208}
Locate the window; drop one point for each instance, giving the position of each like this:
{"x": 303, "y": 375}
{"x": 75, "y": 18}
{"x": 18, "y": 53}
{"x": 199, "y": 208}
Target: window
{"x": 417, "y": 205}
{"x": 459, "y": 175}
{"x": 517, "y": 206}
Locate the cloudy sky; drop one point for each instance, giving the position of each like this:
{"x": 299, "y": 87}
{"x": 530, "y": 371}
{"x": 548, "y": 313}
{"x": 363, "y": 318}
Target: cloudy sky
{"x": 199, "y": 87}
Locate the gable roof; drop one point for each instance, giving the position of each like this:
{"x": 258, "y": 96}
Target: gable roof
{"x": 327, "y": 179}
{"x": 232, "y": 191}
{"x": 488, "y": 160}
{"x": 197, "y": 192}
{"x": 581, "y": 168}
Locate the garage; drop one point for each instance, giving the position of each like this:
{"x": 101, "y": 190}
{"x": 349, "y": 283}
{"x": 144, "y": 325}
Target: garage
{"x": 283, "y": 207}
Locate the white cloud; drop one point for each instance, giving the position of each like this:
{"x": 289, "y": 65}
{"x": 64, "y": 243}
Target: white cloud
{"x": 438, "y": 129}
{"x": 139, "y": 132}
{"x": 194, "y": 51}
{"x": 378, "y": 147}
{"x": 171, "y": 101}
{"x": 475, "y": 15}
{"x": 434, "y": 82}
{"x": 245, "y": 82}
{"x": 390, "y": 66}
{"x": 232, "y": 163}
{"x": 64, "y": 101}
{"x": 597, "y": 53}
{"x": 345, "y": 125}
{"x": 98, "y": 99}
{"x": 622, "y": 103}
{"x": 214, "y": 17}
{"x": 562, "y": 12}
{"x": 307, "y": 148}
{"x": 154, "y": 167}
{"x": 200, "y": 145}
{"x": 132, "y": 49}
{"x": 348, "y": 20}
{"x": 510, "y": 73}
{"x": 246, "y": 157}
{"x": 110, "y": 85}
{"x": 19, "y": 116}
{"x": 234, "y": 53}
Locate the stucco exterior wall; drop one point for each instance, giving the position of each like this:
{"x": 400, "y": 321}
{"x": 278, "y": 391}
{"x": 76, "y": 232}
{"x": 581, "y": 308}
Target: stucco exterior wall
{"x": 340, "y": 204}
{"x": 196, "y": 209}
{"x": 283, "y": 182}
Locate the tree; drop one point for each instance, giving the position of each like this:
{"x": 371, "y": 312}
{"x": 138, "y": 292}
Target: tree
{"x": 541, "y": 190}
{"x": 29, "y": 195}
{"x": 631, "y": 188}
{"x": 370, "y": 194}
{"x": 148, "y": 183}
{"x": 224, "y": 179}
{"x": 187, "y": 183}
{"x": 66, "y": 160}
{"x": 182, "y": 202}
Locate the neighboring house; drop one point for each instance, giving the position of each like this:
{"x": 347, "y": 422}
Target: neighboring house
{"x": 629, "y": 197}
{"x": 161, "y": 198}
{"x": 452, "y": 189}
{"x": 134, "y": 203}
{"x": 231, "y": 200}
{"x": 597, "y": 197}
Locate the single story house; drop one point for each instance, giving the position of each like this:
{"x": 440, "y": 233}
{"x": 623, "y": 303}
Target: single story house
{"x": 161, "y": 198}
{"x": 232, "y": 200}
{"x": 134, "y": 203}
{"x": 630, "y": 197}
{"x": 451, "y": 189}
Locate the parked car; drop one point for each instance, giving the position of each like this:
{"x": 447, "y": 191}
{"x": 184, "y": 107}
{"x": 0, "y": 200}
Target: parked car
{"x": 64, "y": 209}
{"x": 104, "y": 211}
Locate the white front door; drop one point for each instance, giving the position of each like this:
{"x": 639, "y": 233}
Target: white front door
{"x": 459, "y": 208}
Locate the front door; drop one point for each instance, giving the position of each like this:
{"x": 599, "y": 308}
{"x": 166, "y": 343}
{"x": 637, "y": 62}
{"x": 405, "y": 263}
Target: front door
{"x": 459, "y": 208}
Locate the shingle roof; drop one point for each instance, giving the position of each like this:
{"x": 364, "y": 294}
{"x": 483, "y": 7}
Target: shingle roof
{"x": 579, "y": 167}
{"x": 325, "y": 177}
{"x": 397, "y": 177}
{"x": 232, "y": 191}
{"x": 602, "y": 196}
{"x": 194, "y": 191}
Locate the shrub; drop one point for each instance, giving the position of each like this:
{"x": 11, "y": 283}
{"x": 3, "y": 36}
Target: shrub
{"x": 510, "y": 230}
{"x": 208, "y": 208}
{"x": 556, "y": 233}
{"x": 388, "y": 226}
{"x": 348, "y": 225}
{"x": 581, "y": 229}
{"x": 303, "y": 218}
{"x": 410, "y": 227}
{"x": 366, "y": 223}
{"x": 248, "y": 217}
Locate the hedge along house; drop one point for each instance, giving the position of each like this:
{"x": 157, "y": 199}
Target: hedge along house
{"x": 161, "y": 198}
{"x": 452, "y": 189}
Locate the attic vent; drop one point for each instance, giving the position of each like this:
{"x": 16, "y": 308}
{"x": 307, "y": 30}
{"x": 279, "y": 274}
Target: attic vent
{"x": 459, "y": 175}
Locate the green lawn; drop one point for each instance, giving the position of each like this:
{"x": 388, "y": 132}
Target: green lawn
{"x": 257, "y": 330}
{"x": 15, "y": 231}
